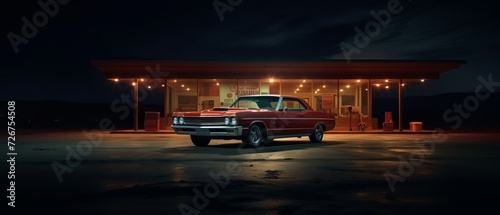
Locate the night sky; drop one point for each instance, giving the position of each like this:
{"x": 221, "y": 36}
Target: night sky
{"x": 54, "y": 64}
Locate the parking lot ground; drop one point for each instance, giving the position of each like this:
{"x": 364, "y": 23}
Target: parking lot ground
{"x": 101, "y": 173}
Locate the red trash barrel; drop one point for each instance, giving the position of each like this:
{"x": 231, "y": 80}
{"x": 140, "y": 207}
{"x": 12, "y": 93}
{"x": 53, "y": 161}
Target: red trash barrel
{"x": 416, "y": 126}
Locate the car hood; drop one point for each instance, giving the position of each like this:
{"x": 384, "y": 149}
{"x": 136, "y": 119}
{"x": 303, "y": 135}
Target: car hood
{"x": 219, "y": 112}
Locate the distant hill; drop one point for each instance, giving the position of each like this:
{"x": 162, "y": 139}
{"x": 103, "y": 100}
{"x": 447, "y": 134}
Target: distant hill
{"x": 427, "y": 109}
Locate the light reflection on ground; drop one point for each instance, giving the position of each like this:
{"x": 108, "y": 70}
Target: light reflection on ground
{"x": 343, "y": 175}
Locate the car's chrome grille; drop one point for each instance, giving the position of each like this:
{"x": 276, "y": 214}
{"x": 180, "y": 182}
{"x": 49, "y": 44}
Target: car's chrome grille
{"x": 204, "y": 120}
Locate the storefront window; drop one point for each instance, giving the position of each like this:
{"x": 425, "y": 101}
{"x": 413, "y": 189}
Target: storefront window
{"x": 325, "y": 96}
{"x": 329, "y": 95}
{"x": 270, "y": 86}
{"x": 228, "y": 91}
{"x": 184, "y": 93}
{"x": 301, "y": 88}
{"x": 209, "y": 93}
{"x": 248, "y": 87}
{"x": 353, "y": 93}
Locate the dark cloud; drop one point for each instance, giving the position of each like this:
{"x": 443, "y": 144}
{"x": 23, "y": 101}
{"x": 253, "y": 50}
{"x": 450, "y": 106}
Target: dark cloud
{"x": 254, "y": 30}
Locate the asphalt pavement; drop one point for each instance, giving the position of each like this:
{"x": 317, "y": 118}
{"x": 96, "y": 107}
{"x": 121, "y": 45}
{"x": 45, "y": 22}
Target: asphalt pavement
{"x": 96, "y": 172}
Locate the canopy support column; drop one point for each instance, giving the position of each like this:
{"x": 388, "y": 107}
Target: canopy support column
{"x": 400, "y": 101}
{"x": 136, "y": 104}
{"x": 166, "y": 106}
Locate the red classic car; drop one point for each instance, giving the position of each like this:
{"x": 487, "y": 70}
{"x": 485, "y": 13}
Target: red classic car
{"x": 255, "y": 120}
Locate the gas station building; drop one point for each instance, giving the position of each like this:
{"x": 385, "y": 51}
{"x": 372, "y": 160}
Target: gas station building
{"x": 330, "y": 86}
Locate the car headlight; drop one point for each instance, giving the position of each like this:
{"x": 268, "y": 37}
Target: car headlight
{"x": 181, "y": 120}
{"x": 226, "y": 120}
{"x": 175, "y": 121}
{"x": 234, "y": 121}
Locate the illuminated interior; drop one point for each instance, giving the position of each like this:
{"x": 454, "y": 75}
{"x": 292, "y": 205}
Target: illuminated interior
{"x": 328, "y": 86}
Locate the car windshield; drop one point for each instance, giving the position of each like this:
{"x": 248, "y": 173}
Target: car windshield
{"x": 257, "y": 102}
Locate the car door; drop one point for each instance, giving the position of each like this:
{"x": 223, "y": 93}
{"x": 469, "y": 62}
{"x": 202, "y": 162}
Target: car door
{"x": 292, "y": 117}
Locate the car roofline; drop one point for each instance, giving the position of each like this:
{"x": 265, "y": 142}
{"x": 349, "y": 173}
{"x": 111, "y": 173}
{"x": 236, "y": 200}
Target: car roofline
{"x": 263, "y": 95}
{"x": 269, "y": 95}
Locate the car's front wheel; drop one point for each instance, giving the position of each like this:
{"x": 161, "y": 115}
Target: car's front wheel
{"x": 254, "y": 137}
{"x": 200, "y": 140}
{"x": 317, "y": 135}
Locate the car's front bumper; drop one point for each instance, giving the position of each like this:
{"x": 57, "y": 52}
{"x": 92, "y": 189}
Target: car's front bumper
{"x": 212, "y": 131}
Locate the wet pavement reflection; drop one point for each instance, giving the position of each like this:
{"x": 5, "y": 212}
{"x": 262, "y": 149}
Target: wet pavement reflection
{"x": 346, "y": 174}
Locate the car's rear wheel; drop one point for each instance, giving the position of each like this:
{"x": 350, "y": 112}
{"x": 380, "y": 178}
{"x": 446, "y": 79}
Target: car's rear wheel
{"x": 200, "y": 140}
{"x": 254, "y": 137}
{"x": 317, "y": 135}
